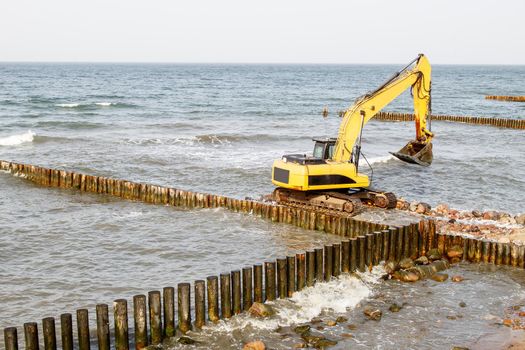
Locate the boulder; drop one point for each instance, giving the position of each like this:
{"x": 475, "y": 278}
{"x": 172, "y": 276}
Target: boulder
{"x": 439, "y": 277}
{"x": 406, "y": 276}
{"x": 324, "y": 343}
{"x": 413, "y": 206}
{"x": 423, "y": 208}
{"x": 186, "y": 340}
{"x": 457, "y": 278}
{"x": 422, "y": 260}
{"x": 442, "y": 209}
{"x": 372, "y": 313}
{"x": 406, "y": 263}
{"x": 434, "y": 254}
{"x": 254, "y": 345}
{"x": 331, "y": 323}
{"x": 394, "y": 307}
{"x": 302, "y": 329}
{"x": 476, "y": 214}
{"x": 261, "y": 310}
{"x": 520, "y": 219}
{"x": 341, "y": 319}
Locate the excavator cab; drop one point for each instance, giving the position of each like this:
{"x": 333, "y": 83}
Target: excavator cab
{"x": 324, "y": 148}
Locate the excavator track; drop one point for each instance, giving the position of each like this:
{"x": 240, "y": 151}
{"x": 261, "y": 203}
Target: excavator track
{"x": 334, "y": 202}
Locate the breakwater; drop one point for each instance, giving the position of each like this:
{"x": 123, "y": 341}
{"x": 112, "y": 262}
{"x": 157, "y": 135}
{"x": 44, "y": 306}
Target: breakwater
{"x": 506, "y": 98}
{"x": 497, "y": 122}
{"x": 158, "y": 315}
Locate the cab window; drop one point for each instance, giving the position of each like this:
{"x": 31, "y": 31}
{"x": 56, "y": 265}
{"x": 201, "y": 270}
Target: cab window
{"x": 318, "y": 150}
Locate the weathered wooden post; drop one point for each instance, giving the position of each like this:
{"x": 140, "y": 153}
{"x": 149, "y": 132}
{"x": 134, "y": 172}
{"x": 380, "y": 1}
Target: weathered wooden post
{"x": 31, "y": 335}
{"x": 319, "y": 276}
{"x": 226, "y": 295}
{"x": 361, "y": 253}
{"x": 345, "y": 256}
{"x": 353, "y": 254}
{"x": 301, "y": 270}
{"x": 282, "y": 283}
{"x": 213, "y": 298}
{"x": 66, "y": 327}
{"x": 140, "y": 317}
{"x": 155, "y": 321}
{"x": 485, "y": 251}
{"x": 84, "y": 343}
{"x": 168, "y": 298}
{"x": 48, "y": 330}
{"x": 236, "y": 292}
{"x": 328, "y": 260}
{"x": 183, "y": 306}
{"x": 120, "y": 309}
{"x": 247, "y": 288}
{"x": 11, "y": 338}
{"x": 103, "y": 327}
{"x": 258, "y": 283}
{"x": 336, "y": 264}
{"x": 270, "y": 280}
{"x": 200, "y": 303}
{"x": 385, "y": 239}
{"x": 310, "y": 268}
{"x": 290, "y": 262}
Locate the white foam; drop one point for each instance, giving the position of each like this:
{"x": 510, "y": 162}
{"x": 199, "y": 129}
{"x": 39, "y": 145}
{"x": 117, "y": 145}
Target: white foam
{"x": 376, "y": 160}
{"x": 17, "y": 139}
{"x": 67, "y": 105}
{"x": 104, "y": 104}
{"x": 340, "y": 295}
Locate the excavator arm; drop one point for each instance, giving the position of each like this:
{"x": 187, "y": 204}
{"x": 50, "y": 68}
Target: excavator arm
{"x": 416, "y": 75}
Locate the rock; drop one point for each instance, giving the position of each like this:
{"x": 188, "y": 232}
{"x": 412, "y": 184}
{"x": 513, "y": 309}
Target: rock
{"x": 433, "y": 254}
{"x": 406, "y": 263}
{"x": 463, "y": 304}
{"x": 391, "y": 267}
{"x": 491, "y": 215}
{"x": 459, "y": 348}
{"x": 423, "y": 208}
{"x": 324, "y": 343}
{"x": 452, "y": 317}
{"x": 440, "y": 265}
{"x": 261, "y": 310}
{"x": 442, "y": 209}
{"x": 457, "y": 278}
{"x": 413, "y": 206}
{"x": 254, "y": 345}
{"x": 372, "y": 313}
{"x": 507, "y": 322}
{"x": 476, "y": 214}
{"x": 341, "y": 319}
{"x": 186, "y": 340}
{"x": 520, "y": 219}
{"x": 455, "y": 260}
{"x": 406, "y": 276}
{"x": 316, "y": 320}
{"x": 455, "y": 252}
{"x": 422, "y": 260}
{"x": 351, "y": 327}
{"x": 312, "y": 339}
{"x": 320, "y": 328}
{"x": 402, "y": 204}
{"x": 347, "y": 335}
{"x": 331, "y": 323}
{"x": 439, "y": 277}
{"x": 394, "y": 308}
{"x": 302, "y": 329}
{"x": 300, "y": 346}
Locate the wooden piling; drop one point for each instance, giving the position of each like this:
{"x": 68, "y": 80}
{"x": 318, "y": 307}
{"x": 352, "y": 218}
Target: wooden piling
{"x": 361, "y": 253}
{"x": 183, "y": 307}
{"x": 140, "y": 318}
{"x": 393, "y": 243}
{"x": 66, "y": 328}
{"x": 236, "y": 292}
{"x": 269, "y": 280}
{"x": 103, "y": 327}
{"x": 385, "y": 239}
{"x": 521, "y": 256}
{"x": 300, "y": 262}
{"x": 11, "y": 338}
{"x": 499, "y": 253}
{"x": 485, "y": 251}
{"x": 310, "y": 268}
{"x": 478, "y": 251}
{"x": 120, "y": 311}
{"x": 336, "y": 265}
{"x": 31, "y": 335}
{"x": 514, "y": 255}
{"x": 168, "y": 298}
{"x": 213, "y": 298}
{"x": 200, "y": 303}
{"x": 291, "y": 274}
{"x": 155, "y": 321}
{"x": 247, "y": 288}
{"x": 319, "y": 276}
{"x": 282, "y": 283}
{"x": 353, "y": 254}
{"x": 493, "y": 251}
{"x": 258, "y": 283}
{"x": 84, "y": 342}
{"x": 328, "y": 261}
{"x": 506, "y": 254}
{"x": 345, "y": 256}
{"x": 226, "y": 296}
{"x": 49, "y": 333}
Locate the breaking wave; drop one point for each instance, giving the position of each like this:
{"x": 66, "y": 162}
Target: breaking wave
{"x": 94, "y": 105}
{"x": 14, "y": 140}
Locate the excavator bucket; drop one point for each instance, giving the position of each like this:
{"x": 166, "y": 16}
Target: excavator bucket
{"x": 416, "y": 153}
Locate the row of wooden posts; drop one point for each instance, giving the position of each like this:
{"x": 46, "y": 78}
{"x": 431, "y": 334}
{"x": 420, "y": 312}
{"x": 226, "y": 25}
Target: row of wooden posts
{"x": 506, "y": 98}
{"x": 498, "y": 122}
{"x": 332, "y": 222}
{"x": 220, "y": 297}
{"x": 163, "y": 314}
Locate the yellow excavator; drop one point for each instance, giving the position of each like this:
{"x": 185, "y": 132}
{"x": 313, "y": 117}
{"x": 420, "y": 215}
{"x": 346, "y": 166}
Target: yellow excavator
{"x": 330, "y": 178}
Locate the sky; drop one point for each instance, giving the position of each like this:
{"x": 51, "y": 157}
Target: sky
{"x": 270, "y": 31}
